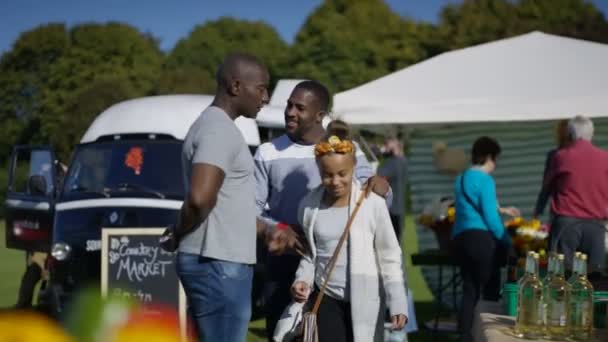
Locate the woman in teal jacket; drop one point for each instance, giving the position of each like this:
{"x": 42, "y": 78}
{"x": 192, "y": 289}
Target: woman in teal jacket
{"x": 478, "y": 228}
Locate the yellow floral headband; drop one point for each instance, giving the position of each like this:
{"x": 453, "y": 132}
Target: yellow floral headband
{"x": 334, "y": 145}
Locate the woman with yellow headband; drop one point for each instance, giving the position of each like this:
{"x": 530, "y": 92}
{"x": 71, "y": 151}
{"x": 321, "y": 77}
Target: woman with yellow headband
{"x": 368, "y": 264}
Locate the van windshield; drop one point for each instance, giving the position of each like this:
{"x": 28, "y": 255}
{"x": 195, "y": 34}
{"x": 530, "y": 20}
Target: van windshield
{"x": 116, "y": 168}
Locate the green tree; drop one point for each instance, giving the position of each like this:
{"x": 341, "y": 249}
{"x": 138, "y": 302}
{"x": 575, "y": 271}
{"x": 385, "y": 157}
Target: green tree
{"x": 98, "y": 53}
{"x": 479, "y": 21}
{"x": 83, "y": 106}
{"x": 571, "y": 18}
{"x": 185, "y": 80}
{"x": 50, "y": 68}
{"x": 24, "y": 72}
{"x": 346, "y": 43}
{"x": 192, "y": 64}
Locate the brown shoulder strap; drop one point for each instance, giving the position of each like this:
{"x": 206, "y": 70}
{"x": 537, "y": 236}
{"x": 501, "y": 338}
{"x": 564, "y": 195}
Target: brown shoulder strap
{"x": 334, "y": 257}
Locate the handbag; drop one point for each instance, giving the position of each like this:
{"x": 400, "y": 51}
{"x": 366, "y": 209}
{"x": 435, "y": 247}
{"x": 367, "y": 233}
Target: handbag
{"x": 309, "y": 319}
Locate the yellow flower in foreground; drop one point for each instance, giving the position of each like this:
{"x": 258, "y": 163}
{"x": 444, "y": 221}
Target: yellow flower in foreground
{"x": 28, "y": 326}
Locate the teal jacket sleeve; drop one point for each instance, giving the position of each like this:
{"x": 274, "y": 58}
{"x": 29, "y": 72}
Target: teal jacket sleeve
{"x": 489, "y": 210}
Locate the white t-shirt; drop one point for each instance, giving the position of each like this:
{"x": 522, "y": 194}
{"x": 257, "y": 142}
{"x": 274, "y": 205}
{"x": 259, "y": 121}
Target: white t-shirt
{"x": 328, "y": 229}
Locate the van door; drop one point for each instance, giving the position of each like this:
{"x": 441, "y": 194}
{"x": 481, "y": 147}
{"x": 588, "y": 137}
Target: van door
{"x": 30, "y": 198}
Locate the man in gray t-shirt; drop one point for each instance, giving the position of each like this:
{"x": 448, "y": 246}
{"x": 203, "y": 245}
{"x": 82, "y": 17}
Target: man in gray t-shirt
{"x": 217, "y": 225}
{"x": 223, "y": 235}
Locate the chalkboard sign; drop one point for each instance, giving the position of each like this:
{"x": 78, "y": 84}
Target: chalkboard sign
{"x": 134, "y": 266}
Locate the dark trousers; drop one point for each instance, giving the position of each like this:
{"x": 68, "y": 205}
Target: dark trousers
{"x": 397, "y": 221}
{"x": 475, "y": 254}
{"x": 30, "y": 278}
{"x": 280, "y": 274}
{"x": 491, "y": 291}
{"x": 571, "y": 234}
{"x": 334, "y": 321}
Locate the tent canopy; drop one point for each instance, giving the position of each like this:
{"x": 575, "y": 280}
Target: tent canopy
{"x": 535, "y": 76}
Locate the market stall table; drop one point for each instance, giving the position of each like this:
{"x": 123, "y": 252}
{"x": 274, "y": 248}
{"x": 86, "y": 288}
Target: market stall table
{"x": 439, "y": 258}
{"x": 492, "y": 325}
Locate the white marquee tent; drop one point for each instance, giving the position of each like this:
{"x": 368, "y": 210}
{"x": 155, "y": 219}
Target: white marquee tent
{"x": 535, "y": 76}
{"x": 511, "y": 89}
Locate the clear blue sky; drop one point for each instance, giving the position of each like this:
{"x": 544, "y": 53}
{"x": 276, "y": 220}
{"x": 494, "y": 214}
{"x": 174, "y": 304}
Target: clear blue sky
{"x": 171, "y": 20}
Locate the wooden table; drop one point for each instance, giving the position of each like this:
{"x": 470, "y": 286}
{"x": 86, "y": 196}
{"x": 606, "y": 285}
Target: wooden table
{"x": 491, "y": 325}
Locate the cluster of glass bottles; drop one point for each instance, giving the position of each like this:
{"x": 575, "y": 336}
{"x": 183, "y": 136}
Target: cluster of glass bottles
{"x": 555, "y": 308}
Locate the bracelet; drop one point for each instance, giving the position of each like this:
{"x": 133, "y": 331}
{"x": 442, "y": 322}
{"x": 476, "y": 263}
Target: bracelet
{"x": 282, "y": 226}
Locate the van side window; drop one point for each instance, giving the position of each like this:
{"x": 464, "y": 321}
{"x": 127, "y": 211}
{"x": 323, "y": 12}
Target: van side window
{"x": 28, "y": 163}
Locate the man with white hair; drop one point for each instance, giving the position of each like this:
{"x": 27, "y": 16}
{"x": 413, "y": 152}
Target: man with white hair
{"x": 578, "y": 175}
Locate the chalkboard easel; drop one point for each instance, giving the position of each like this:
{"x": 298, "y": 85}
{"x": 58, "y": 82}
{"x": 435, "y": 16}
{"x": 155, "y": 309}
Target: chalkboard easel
{"x": 134, "y": 266}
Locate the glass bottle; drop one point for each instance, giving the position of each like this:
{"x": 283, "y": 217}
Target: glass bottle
{"x": 575, "y": 268}
{"x": 546, "y": 281}
{"x": 558, "y": 296}
{"x": 581, "y": 304}
{"x": 529, "y": 320}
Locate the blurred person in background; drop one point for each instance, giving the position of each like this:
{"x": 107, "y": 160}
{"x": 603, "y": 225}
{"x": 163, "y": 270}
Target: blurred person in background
{"x": 34, "y": 272}
{"x": 394, "y": 169}
{"x": 562, "y": 136}
{"x": 578, "y": 179}
{"x": 478, "y": 232}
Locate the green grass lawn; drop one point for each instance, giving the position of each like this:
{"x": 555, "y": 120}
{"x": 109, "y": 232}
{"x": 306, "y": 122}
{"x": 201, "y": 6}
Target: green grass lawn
{"x": 12, "y": 264}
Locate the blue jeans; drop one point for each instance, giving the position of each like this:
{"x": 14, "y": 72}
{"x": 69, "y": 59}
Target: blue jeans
{"x": 219, "y": 296}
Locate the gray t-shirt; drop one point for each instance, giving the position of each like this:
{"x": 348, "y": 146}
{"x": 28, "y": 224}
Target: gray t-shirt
{"x": 328, "y": 229}
{"x": 229, "y": 232}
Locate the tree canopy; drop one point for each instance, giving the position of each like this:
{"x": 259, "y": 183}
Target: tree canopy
{"x": 56, "y": 79}
{"x": 191, "y": 65}
{"x": 51, "y": 67}
{"x": 346, "y": 43}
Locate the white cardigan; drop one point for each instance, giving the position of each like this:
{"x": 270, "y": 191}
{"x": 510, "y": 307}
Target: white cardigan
{"x": 374, "y": 257}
